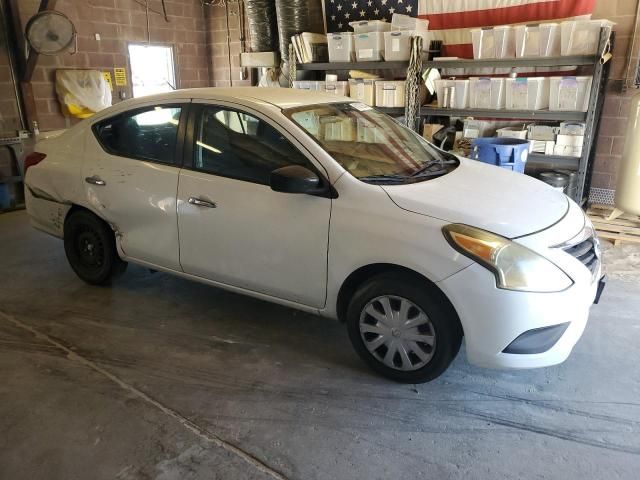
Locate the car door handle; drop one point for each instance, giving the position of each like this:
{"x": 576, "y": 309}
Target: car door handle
{"x": 95, "y": 180}
{"x": 201, "y": 203}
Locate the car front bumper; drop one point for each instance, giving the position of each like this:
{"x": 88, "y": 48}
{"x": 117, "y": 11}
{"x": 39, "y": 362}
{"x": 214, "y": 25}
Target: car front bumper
{"x": 492, "y": 318}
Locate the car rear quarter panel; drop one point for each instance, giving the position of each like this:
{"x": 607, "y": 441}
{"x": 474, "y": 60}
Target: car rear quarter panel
{"x": 55, "y": 184}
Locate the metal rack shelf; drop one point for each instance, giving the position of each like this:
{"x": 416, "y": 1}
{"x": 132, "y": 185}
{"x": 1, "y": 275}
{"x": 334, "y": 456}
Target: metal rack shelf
{"x": 503, "y": 114}
{"x": 553, "y": 161}
{"x": 498, "y": 63}
{"x": 583, "y": 165}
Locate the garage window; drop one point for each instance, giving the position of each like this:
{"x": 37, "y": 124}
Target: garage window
{"x": 238, "y": 145}
{"x": 146, "y": 134}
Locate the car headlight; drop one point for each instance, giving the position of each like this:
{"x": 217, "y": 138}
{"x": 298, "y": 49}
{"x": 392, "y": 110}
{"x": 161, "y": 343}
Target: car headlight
{"x": 514, "y": 266}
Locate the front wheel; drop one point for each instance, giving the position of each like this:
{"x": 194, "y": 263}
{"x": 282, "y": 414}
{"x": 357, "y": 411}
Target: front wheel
{"x": 402, "y": 330}
{"x": 91, "y": 249}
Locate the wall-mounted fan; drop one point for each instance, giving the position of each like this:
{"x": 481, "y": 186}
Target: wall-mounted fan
{"x": 50, "y": 32}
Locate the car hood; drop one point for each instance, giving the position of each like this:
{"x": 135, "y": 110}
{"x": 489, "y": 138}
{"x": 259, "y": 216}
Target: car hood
{"x": 492, "y": 198}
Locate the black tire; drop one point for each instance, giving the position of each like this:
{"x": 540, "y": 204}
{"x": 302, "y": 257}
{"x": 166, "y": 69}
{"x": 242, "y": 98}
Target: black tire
{"x": 444, "y": 325}
{"x": 91, "y": 248}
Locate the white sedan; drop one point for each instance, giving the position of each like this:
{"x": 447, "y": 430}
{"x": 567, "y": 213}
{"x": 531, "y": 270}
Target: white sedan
{"x": 326, "y": 205}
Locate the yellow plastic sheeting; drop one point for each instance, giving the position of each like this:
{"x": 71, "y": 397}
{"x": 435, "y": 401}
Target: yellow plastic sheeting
{"x": 82, "y": 93}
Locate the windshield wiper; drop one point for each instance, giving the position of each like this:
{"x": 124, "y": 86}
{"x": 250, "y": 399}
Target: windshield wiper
{"x": 384, "y": 178}
{"x": 426, "y": 166}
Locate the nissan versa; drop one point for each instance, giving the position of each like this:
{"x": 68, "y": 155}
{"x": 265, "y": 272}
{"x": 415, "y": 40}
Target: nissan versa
{"x": 326, "y": 205}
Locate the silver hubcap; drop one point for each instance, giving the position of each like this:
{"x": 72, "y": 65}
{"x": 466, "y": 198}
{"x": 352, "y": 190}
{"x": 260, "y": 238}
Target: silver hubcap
{"x": 397, "y": 332}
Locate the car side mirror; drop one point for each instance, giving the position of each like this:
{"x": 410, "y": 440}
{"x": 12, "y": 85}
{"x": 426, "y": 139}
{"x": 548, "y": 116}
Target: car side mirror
{"x": 295, "y": 179}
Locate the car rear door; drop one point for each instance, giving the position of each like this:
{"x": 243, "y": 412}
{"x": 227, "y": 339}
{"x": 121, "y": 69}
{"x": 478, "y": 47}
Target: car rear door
{"x": 233, "y": 228}
{"x": 131, "y": 170}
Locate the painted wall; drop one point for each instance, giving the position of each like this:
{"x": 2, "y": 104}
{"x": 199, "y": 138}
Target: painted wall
{"x": 611, "y": 140}
{"x": 120, "y": 22}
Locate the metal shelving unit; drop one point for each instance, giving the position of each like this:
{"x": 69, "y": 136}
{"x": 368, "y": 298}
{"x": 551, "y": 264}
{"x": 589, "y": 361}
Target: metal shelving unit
{"x": 582, "y": 164}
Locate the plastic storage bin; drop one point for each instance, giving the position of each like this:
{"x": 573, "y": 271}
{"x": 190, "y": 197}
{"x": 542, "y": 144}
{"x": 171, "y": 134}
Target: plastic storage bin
{"x": 512, "y": 132}
{"x": 340, "y": 87}
{"x": 527, "y": 93}
{"x": 581, "y": 37}
{"x": 452, "y": 93}
{"x": 405, "y": 22}
{"x": 367, "y": 26}
{"x": 363, "y": 90}
{"x": 369, "y": 46}
{"x": 390, "y": 93}
{"x": 569, "y": 93}
{"x": 341, "y": 47}
{"x": 487, "y": 93}
{"x": 493, "y": 42}
{"x": 397, "y": 45}
{"x": 541, "y": 40}
{"x": 313, "y": 85}
{"x": 509, "y": 153}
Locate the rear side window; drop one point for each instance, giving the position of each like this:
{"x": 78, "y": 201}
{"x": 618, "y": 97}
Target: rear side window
{"x": 144, "y": 134}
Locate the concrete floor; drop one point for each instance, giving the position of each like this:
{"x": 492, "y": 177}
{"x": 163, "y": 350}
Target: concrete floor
{"x": 161, "y": 378}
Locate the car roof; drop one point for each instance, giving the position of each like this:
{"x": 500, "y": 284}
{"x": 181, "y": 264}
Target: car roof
{"x": 279, "y": 97}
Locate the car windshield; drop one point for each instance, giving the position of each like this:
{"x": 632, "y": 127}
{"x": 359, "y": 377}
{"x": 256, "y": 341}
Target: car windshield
{"x": 371, "y": 145}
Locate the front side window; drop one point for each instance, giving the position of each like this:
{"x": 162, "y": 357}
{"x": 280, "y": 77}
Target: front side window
{"x": 145, "y": 134}
{"x": 235, "y": 144}
{"x": 371, "y": 145}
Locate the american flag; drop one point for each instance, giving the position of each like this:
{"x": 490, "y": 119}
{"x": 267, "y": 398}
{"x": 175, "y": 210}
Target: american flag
{"x": 451, "y": 20}
{"x": 339, "y": 13}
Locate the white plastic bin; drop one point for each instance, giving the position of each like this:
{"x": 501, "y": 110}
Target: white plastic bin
{"x": 493, "y": 42}
{"x": 369, "y": 46}
{"x": 397, "y": 45}
{"x": 569, "y": 93}
{"x": 487, "y": 93}
{"x": 452, "y": 93}
{"x": 527, "y": 93}
{"x": 405, "y": 22}
{"x": 542, "y": 40}
{"x": 581, "y": 37}
{"x": 341, "y": 47}
{"x": 366, "y": 26}
{"x": 340, "y": 87}
{"x": 312, "y": 85}
{"x": 512, "y": 132}
{"x": 390, "y": 93}
{"x": 363, "y": 91}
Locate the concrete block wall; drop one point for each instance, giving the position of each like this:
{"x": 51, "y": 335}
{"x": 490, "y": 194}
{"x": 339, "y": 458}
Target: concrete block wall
{"x": 120, "y": 22}
{"x": 216, "y": 23}
{"x": 610, "y": 142}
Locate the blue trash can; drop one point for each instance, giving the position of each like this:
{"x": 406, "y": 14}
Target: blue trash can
{"x": 509, "y": 153}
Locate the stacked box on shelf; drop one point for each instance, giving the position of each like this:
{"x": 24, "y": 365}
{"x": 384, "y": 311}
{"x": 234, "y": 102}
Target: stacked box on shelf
{"x": 338, "y": 87}
{"x": 452, "y": 93}
{"x": 527, "y": 93}
{"x": 569, "y": 93}
{"x": 363, "y": 90}
{"x": 493, "y": 42}
{"x": 369, "y": 39}
{"x": 341, "y": 47}
{"x": 487, "y": 93}
{"x": 390, "y": 94}
{"x": 581, "y": 37}
{"x": 542, "y": 40}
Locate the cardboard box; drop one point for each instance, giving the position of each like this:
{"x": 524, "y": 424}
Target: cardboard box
{"x": 430, "y": 129}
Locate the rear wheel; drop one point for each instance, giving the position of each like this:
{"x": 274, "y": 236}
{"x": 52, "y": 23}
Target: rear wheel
{"x": 90, "y": 247}
{"x": 402, "y": 330}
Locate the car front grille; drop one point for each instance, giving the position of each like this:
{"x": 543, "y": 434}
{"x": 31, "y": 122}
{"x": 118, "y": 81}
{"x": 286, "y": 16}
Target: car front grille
{"x": 585, "y": 251}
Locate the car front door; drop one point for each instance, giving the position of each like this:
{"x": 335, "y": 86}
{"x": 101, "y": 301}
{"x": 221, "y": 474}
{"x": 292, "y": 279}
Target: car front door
{"x": 233, "y": 228}
{"x": 131, "y": 168}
